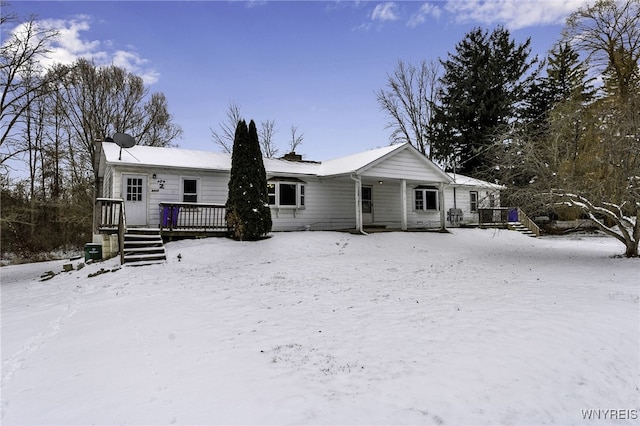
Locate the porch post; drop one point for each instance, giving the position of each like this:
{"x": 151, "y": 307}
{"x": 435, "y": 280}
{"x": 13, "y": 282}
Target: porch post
{"x": 358, "y": 192}
{"x": 403, "y": 198}
{"x": 441, "y": 196}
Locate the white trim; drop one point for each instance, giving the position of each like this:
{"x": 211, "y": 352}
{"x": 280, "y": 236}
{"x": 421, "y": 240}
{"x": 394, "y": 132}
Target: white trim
{"x": 424, "y": 199}
{"x": 472, "y": 202}
{"x": 300, "y": 200}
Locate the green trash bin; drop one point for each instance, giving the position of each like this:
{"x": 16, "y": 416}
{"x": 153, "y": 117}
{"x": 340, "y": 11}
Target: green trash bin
{"x": 92, "y": 251}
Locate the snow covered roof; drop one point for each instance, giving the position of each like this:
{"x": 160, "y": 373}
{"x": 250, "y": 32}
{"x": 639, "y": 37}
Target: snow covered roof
{"x": 190, "y": 159}
{"x": 459, "y": 179}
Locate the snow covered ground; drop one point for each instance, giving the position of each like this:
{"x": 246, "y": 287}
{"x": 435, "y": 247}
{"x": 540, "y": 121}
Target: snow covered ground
{"x": 472, "y": 327}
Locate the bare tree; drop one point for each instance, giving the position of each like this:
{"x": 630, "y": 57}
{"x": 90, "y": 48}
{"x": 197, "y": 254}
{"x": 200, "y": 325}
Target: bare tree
{"x": 408, "y": 100}
{"x": 609, "y": 32}
{"x": 154, "y": 125}
{"x": 99, "y": 101}
{"x": 296, "y": 139}
{"x": 22, "y": 78}
{"x": 266, "y": 133}
{"x": 225, "y": 135}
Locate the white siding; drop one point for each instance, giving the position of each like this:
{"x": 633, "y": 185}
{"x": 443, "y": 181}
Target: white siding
{"x": 421, "y": 218}
{"x": 329, "y": 205}
{"x": 405, "y": 165}
{"x": 166, "y": 187}
{"x": 107, "y": 188}
{"x": 387, "y": 206}
{"x": 463, "y": 200}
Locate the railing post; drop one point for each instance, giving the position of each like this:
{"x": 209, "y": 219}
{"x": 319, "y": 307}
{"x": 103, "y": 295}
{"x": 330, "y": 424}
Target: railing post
{"x": 122, "y": 227}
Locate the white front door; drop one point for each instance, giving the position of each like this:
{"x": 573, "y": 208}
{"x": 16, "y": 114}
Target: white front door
{"x": 367, "y": 204}
{"x": 134, "y": 190}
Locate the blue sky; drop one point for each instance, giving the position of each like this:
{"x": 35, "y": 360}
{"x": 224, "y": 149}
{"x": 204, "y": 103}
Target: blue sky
{"x": 312, "y": 64}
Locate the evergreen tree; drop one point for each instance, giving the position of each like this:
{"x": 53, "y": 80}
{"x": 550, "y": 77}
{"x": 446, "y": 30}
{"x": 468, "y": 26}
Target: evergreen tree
{"x": 248, "y": 212}
{"x": 566, "y": 79}
{"x": 530, "y": 150}
{"x": 482, "y": 88}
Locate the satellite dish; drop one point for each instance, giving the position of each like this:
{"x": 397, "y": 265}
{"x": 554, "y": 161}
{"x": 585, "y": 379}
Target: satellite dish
{"x": 124, "y": 140}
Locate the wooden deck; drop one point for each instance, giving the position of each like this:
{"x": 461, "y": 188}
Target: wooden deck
{"x": 506, "y": 217}
{"x": 182, "y": 220}
{"x": 177, "y": 220}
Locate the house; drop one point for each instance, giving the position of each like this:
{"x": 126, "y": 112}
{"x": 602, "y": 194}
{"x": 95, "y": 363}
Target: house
{"x": 183, "y": 192}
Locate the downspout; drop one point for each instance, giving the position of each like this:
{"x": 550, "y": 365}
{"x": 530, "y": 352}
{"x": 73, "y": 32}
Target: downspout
{"x": 455, "y": 203}
{"x": 358, "y": 191}
{"x": 403, "y": 200}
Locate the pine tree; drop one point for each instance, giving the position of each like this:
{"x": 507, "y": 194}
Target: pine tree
{"x": 482, "y": 86}
{"x": 248, "y": 212}
{"x": 565, "y": 80}
{"x": 549, "y": 128}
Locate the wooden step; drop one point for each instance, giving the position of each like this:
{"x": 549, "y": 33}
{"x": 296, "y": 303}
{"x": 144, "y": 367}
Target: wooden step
{"x": 519, "y": 227}
{"x": 143, "y": 246}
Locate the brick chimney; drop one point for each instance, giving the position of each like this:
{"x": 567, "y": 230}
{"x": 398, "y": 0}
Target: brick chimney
{"x": 292, "y": 156}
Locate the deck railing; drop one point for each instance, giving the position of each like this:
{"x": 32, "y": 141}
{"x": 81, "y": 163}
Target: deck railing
{"x": 193, "y": 217}
{"x": 506, "y": 215}
{"x": 109, "y": 213}
{"x": 526, "y": 221}
{"x": 495, "y": 216}
{"x": 110, "y": 218}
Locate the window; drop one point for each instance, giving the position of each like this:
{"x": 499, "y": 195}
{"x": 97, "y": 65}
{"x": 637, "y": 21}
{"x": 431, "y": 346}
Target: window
{"x": 286, "y": 194}
{"x": 426, "y": 198}
{"x": 271, "y": 191}
{"x": 473, "y": 200}
{"x": 134, "y": 189}
{"x": 366, "y": 199}
{"x": 190, "y": 190}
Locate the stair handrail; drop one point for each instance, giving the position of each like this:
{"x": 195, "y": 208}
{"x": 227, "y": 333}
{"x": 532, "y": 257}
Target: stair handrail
{"x": 528, "y": 223}
{"x": 122, "y": 228}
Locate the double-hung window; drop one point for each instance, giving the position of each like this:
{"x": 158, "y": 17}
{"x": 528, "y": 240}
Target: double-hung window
{"x": 473, "y": 200}
{"x": 190, "y": 190}
{"x": 426, "y": 198}
{"x": 287, "y": 193}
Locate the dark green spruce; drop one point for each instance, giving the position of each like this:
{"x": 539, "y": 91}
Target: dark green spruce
{"x": 248, "y": 212}
{"x": 482, "y": 88}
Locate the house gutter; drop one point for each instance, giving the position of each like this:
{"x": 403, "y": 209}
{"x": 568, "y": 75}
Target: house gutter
{"x": 358, "y": 191}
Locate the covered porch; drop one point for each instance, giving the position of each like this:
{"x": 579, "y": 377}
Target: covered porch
{"x": 398, "y": 204}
